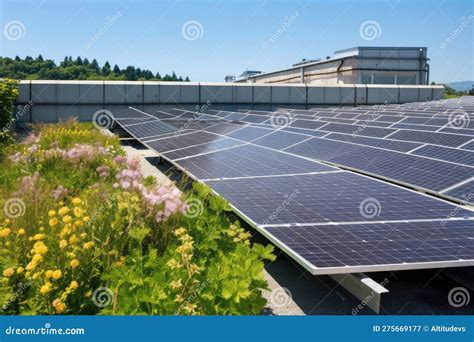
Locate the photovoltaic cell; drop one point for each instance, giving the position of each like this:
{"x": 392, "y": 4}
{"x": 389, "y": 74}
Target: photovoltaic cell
{"x": 421, "y": 172}
{"x": 393, "y": 145}
{"x": 144, "y": 130}
{"x": 249, "y": 133}
{"x": 203, "y": 148}
{"x": 379, "y": 246}
{"x": 463, "y": 192}
{"x": 357, "y": 129}
{"x": 447, "y": 154}
{"x": 248, "y": 161}
{"x": 436, "y": 138}
{"x": 328, "y": 198}
{"x": 279, "y": 140}
{"x": 182, "y": 141}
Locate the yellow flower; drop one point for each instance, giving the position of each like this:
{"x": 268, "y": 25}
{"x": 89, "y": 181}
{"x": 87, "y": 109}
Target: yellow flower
{"x": 40, "y": 248}
{"x": 73, "y": 239}
{"x": 179, "y": 231}
{"x": 74, "y": 263}
{"x": 41, "y": 229}
{"x": 59, "y": 306}
{"x": 20, "y": 232}
{"x": 36, "y": 275}
{"x": 45, "y": 289}
{"x": 67, "y": 219}
{"x": 53, "y": 222}
{"x": 78, "y": 212}
{"x": 31, "y": 265}
{"x": 37, "y": 258}
{"x": 88, "y": 245}
{"x": 79, "y": 223}
{"x": 20, "y": 270}
{"x": 83, "y": 235}
{"x": 5, "y": 232}
{"x": 62, "y": 243}
{"x": 176, "y": 284}
{"x": 173, "y": 264}
{"x": 57, "y": 274}
{"x": 76, "y": 201}
{"x": 7, "y": 221}
{"x": 86, "y": 218}
{"x": 8, "y": 272}
{"x": 39, "y": 236}
{"x": 51, "y": 213}
{"x": 48, "y": 274}
{"x": 74, "y": 285}
{"x": 63, "y": 211}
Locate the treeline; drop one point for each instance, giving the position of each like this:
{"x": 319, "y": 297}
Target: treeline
{"x": 75, "y": 69}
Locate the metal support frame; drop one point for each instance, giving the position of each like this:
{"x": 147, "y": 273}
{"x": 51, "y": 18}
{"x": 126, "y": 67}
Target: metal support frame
{"x": 363, "y": 288}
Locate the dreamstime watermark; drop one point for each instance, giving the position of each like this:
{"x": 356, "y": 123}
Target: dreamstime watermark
{"x": 370, "y": 30}
{"x": 103, "y": 119}
{"x": 193, "y": 296}
{"x": 280, "y": 297}
{"x": 458, "y": 119}
{"x": 199, "y": 111}
{"x": 366, "y": 301}
{"x": 21, "y": 289}
{"x": 466, "y": 21}
{"x": 14, "y": 208}
{"x": 194, "y": 208}
{"x": 282, "y": 119}
{"x": 109, "y": 22}
{"x": 373, "y": 116}
{"x": 287, "y": 22}
{"x": 467, "y": 198}
{"x": 102, "y": 297}
{"x": 14, "y": 30}
{"x": 192, "y": 30}
{"x": 46, "y": 330}
{"x": 288, "y": 199}
{"x": 458, "y": 297}
{"x": 370, "y": 208}
{"x": 21, "y": 110}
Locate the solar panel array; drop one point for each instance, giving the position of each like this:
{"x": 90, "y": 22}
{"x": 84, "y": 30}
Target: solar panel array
{"x": 341, "y": 190}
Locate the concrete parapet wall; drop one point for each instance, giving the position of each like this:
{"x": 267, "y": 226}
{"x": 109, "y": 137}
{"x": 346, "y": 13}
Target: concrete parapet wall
{"x": 54, "y": 100}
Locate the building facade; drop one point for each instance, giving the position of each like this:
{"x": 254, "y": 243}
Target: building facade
{"x": 359, "y": 65}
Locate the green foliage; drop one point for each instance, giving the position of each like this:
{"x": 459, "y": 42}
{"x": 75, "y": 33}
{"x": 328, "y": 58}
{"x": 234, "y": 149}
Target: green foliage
{"x": 99, "y": 235}
{"x": 77, "y": 69}
{"x": 8, "y": 95}
{"x": 210, "y": 268}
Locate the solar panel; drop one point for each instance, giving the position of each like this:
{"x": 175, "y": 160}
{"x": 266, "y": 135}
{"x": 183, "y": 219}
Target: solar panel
{"x": 147, "y": 129}
{"x": 209, "y": 147}
{"x": 425, "y": 173}
{"x": 328, "y": 219}
{"x": 280, "y": 140}
{"x": 393, "y": 145}
{"x": 448, "y": 154}
{"x": 385, "y": 246}
{"x": 436, "y": 138}
{"x": 182, "y": 141}
{"x": 357, "y": 129}
{"x": 249, "y": 133}
{"x": 415, "y": 127}
{"x": 464, "y": 131}
{"x": 248, "y": 161}
{"x": 328, "y": 198}
{"x": 463, "y": 192}
{"x": 469, "y": 146}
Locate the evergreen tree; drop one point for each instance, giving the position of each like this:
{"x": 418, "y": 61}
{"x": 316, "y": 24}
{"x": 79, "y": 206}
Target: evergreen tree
{"x": 106, "y": 69}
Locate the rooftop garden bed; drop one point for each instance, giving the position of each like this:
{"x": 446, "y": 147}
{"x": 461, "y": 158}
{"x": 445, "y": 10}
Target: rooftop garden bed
{"x": 82, "y": 231}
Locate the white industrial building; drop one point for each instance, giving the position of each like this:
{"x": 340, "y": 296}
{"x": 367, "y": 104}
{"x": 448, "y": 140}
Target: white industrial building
{"x": 359, "y": 65}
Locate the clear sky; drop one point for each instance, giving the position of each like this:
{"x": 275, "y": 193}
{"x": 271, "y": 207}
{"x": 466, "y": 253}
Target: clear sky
{"x": 206, "y": 40}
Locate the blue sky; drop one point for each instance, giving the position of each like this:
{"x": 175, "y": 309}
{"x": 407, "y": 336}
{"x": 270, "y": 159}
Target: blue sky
{"x": 227, "y": 37}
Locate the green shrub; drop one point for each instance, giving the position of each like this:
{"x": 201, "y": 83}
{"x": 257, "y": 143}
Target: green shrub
{"x": 8, "y": 95}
